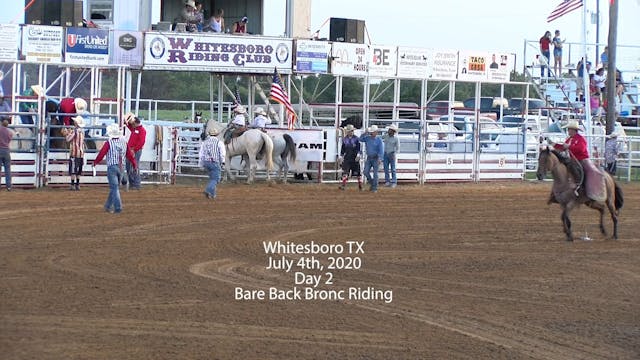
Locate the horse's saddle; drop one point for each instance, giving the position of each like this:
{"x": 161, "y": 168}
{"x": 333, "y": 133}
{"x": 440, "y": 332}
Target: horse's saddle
{"x": 234, "y": 132}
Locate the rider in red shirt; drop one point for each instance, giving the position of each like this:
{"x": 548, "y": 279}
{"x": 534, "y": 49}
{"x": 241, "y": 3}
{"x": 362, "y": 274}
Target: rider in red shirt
{"x": 577, "y": 146}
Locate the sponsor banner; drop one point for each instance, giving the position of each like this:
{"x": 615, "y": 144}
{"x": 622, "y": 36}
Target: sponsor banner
{"x": 87, "y": 46}
{"x": 217, "y": 53}
{"x": 126, "y": 48}
{"x": 309, "y": 142}
{"x": 312, "y": 56}
{"x": 349, "y": 59}
{"x": 383, "y": 62}
{"x": 42, "y": 43}
{"x": 472, "y": 65}
{"x": 500, "y": 65}
{"x": 9, "y": 41}
{"x": 413, "y": 63}
{"x": 444, "y": 65}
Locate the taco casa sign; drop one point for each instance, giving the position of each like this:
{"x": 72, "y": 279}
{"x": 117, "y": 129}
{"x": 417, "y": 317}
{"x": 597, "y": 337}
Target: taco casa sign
{"x": 221, "y": 53}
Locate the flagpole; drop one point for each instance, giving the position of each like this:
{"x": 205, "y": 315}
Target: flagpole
{"x": 585, "y": 77}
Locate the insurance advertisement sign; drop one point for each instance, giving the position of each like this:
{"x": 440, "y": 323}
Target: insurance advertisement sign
{"x": 500, "y": 65}
{"x": 444, "y": 65}
{"x": 204, "y": 52}
{"x": 87, "y": 46}
{"x": 42, "y": 43}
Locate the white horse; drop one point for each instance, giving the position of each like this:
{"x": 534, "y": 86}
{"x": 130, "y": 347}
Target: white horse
{"x": 284, "y": 149}
{"x": 250, "y": 143}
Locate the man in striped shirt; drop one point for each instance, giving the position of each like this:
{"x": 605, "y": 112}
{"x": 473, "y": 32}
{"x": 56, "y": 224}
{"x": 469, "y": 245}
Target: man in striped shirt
{"x": 75, "y": 138}
{"x": 212, "y": 157}
{"x": 115, "y": 151}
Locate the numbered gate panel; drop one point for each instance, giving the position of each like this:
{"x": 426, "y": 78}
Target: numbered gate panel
{"x": 57, "y": 170}
{"x": 501, "y": 167}
{"x": 23, "y": 170}
{"x": 448, "y": 166}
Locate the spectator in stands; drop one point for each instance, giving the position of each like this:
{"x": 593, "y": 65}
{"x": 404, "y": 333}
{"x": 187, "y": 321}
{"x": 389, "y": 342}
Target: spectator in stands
{"x": 604, "y": 57}
{"x": 6, "y": 135}
{"x": 261, "y": 120}
{"x": 557, "y": 54}
{"x": 599, "y": 80}
{"x": 580, "y": 72}
{"x": 212, "y": 157}
{"x": 237, "y": 125}
{"x": 545, "y": 42}
{"x": 136, "y": 143}
{"x": 611, "y": 153}
{"x": 391, "y": 148}
{"x": 619, "y": 85}
{"x": 350, "y": 157}
{"x": 189, "y": 17}
{"x": 115, "y": 150}
{"x": 75, "y": 138}
{"x": 240, "y": 27}
{"x": 375, "y": 152}
{"x": 216, "y": 23}
{"x": 199, "y": 15}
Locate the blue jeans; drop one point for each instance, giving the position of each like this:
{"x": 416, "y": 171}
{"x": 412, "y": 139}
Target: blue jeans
{"x": 113, "y": 200}
{"x": 389, "y": 164}
{"x": 5, "y": 162}
{"x": 134, "y": 175}
{"x": 547, "y": 55}
{"x": 214, "y": 177}
{"x": 371, "y": 163}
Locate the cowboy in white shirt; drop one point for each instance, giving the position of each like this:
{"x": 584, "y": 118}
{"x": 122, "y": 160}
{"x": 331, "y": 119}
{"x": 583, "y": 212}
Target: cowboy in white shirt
{"x": 237, "y": 124}
{"x": 260, "y": 121}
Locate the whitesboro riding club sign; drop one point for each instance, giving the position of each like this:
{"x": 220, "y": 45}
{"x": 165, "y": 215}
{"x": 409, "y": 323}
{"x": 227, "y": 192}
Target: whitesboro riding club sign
{"x": 217, "y": 53}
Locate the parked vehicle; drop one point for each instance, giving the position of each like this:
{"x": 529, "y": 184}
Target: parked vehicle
{"x": 533, "y": 106}
{"x": 488, "y": 105}
{"x": 442, "y": 107}
{"x": 533, "y": 123}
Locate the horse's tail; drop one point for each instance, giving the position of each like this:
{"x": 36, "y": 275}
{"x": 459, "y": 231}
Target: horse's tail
{"x": 268, "y": 145}
{"x": 290, "y": 148}
{"x": 619, "y": 199}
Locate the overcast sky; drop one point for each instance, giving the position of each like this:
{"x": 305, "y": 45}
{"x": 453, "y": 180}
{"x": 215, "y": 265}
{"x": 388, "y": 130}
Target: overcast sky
{"x": 455, "y": 24}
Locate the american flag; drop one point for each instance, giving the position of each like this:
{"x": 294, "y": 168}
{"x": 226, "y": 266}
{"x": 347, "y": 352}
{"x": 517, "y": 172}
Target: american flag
{"x": 563, "y": 8}
{"x": 279, "y": 95}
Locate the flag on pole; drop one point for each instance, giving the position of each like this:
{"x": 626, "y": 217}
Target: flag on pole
{"x": 565, "y": 7}
{"x": 238, "y": 100}
{"x": 278, "y": 94}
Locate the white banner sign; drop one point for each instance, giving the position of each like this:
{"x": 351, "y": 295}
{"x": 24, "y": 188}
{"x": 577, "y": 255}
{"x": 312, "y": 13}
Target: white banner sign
{"x": 444, "y": 65}
{"x": 500, "y": 65}
{"x": 9, "y": 40}
{"x": 217, "y": 53}
{"x": 472, "y": 65}
{"x": 383, "y": 61}
{"x": 413, "y": 63}
{"x": 42, "y": 43}
{"x": 349, "y": 59}
{"x": 309, "y": 142}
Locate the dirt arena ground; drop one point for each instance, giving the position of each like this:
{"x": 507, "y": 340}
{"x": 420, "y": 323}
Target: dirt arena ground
{"x": 476, "y": 271}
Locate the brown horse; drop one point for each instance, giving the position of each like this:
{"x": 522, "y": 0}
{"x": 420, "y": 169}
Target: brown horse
{"x": 563, "y": 192}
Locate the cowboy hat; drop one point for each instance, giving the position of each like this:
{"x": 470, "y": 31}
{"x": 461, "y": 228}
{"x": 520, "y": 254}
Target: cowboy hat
{"x": 79, "y": 121}
{"x": 349, "y": 128}
{"x": 80, "y": 105}
{"x": 113, "y": 131}
{"x": 240, "y": 109}
{"x": 372, "y": 128}
{"x": 572, "y": 125}
{"x": 392, "y": 127}
{"x": 244, "y": 19}
{"x": 191, "y": 3}
{"x": 38, "y": 90}
{"x": 212, "y": 131}
{"x": 260, "y": 111}
{"x": 129, "y": 117}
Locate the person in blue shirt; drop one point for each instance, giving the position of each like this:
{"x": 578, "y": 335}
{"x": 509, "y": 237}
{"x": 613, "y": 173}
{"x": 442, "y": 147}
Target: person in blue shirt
{"x": 375, "y": 153}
